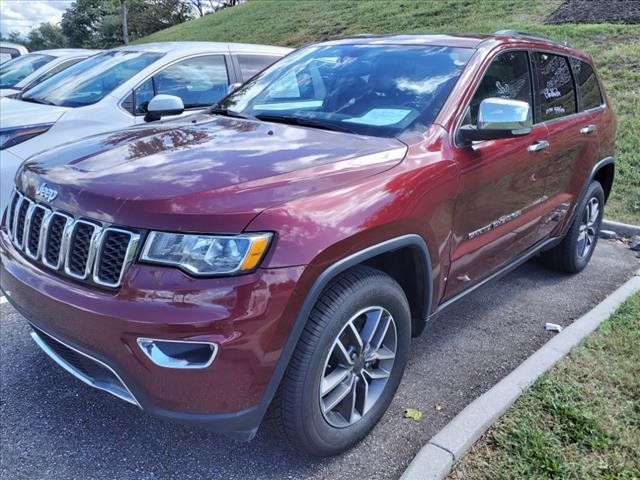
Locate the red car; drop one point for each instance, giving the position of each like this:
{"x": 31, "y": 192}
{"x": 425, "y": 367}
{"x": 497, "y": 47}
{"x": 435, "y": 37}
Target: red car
{"x": 280, "y": 250}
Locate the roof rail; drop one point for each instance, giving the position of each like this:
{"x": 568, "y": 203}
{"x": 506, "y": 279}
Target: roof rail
{"x": 530, "y": 35}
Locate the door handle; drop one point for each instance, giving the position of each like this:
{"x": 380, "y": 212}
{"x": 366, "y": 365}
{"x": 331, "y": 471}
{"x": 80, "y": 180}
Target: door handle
{"x": 539, "y": 145}
{"x": 587, "y": 129}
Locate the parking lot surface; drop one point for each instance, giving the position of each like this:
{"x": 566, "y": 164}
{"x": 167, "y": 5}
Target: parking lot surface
{"x": 53, "y": 426}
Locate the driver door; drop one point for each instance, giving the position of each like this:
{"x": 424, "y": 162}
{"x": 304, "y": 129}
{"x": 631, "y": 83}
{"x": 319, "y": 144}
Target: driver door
{"x": 500, "y": 199}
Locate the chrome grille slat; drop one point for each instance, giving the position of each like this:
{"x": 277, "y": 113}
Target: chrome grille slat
{"x": 78, "y": 248}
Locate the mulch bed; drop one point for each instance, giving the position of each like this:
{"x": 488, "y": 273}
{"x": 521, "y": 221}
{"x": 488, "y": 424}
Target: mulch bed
{"x": 596, "y": 11}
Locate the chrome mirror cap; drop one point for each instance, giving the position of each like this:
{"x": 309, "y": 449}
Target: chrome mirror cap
{"x": 504, "y": 114}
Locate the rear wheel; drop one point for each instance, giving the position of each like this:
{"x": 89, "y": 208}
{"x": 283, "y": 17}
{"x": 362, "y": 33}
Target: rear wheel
{"x": 575, "y": 250}
{"x": 348, "y": 363}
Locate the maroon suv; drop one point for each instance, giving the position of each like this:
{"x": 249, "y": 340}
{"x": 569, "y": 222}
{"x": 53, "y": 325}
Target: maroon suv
{"x": 280, "y": 250}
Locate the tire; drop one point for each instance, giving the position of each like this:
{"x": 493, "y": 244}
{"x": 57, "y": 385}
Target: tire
{"x": 576, "y": 249}
{"x": 350, "y": 303}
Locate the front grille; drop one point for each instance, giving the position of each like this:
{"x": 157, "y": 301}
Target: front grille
{"x": 78, "y": 248}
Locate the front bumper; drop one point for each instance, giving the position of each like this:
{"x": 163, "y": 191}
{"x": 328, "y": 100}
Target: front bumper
{"x": 249, "y": 317}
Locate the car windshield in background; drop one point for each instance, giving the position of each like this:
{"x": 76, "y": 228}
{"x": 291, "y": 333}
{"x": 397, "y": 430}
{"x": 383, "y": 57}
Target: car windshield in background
{"x": 19, "y": 68}
{"x": 91, "y": 80}
{"x": 379, "y": 90}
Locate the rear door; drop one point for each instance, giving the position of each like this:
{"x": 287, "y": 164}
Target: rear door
{"x": 500, "y": 198}
{"x": 572, "y": 136}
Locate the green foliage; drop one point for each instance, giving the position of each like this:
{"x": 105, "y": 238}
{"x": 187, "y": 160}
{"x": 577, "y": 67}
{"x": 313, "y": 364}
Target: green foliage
{"x": 580, "y": 420}
{"x": 97, "y": 23}
{"x": 46, "y": 36}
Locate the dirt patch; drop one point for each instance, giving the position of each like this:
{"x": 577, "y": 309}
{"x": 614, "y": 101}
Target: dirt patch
{"x": 596, "y": 11}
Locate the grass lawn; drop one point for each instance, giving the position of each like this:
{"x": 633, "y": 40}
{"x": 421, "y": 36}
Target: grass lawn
{"x": 580, "y": 420}
{"x": 615, "y": 48}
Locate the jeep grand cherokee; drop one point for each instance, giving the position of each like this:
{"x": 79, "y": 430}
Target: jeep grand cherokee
{"x": 280, "y": 250}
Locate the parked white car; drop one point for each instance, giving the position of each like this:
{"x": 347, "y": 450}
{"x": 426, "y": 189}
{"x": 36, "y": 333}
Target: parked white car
{"x": 10, "y": 50}
{"x": 112, "y": 90}
{"x": 27, "y": 71}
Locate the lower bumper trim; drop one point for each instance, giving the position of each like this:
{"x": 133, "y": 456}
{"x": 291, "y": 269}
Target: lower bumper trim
{"x": 86, "y": 368}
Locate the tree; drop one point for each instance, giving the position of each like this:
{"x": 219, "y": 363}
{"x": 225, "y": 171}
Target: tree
{"x": 46, "y": 36}
{"x": 198, "y": 5}
{"x": 82, "y": 21}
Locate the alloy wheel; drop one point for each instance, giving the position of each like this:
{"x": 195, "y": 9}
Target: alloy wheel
{"x": 588, "y": 227}
{"x": 358, "y": 366}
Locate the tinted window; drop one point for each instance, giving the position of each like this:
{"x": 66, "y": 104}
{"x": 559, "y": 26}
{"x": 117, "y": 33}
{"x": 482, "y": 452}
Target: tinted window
{"x": 507, "y": 77}
{"x": 199, "y": 81}
{"x": 143, "y": 95}
{"x": 17, "y": 69}
{"x": 554, "y": 88}
{"x": 51, "y": 72}
{"x": 252, "y": 64}
{"x": 368, "y": 89}
{"x": 92, "y": 79}
{"x": 588, "y": 87}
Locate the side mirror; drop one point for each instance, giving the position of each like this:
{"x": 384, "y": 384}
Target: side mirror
{"x": 233, "y": 87}
{"x": 499, "y": 118}
{"x": 163, "y": 105}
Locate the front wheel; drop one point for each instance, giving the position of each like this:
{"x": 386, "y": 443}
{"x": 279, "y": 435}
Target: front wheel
{"x": 348, "y": 363}
{"x": 575, "y": 250}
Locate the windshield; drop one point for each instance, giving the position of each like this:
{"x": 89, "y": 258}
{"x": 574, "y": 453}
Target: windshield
{"x": 15, "y": 70}
{"x": 379, "y": 90}
{"x": 91, "y": 80}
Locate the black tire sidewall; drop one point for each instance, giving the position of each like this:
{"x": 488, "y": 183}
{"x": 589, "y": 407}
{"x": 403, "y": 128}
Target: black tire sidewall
{"x": 379, "y": 291}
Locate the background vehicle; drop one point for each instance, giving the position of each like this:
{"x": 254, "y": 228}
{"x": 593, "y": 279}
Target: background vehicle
{"x": 28, "y": 70}
{"x": 10, "y": 50}
{"x": 112, "y": 90}
{"x": 280, "y": 251}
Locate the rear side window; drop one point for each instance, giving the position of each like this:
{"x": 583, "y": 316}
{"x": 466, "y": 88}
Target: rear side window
{"x": 554, "y": 86}
{"x": 588, "y": 87}
{"x": 507, "y": 77}
{"x": 252, "y": 64}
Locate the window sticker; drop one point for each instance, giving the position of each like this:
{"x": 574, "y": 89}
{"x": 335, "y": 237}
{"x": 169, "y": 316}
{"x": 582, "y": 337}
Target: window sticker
{"x": 379, "y": 117}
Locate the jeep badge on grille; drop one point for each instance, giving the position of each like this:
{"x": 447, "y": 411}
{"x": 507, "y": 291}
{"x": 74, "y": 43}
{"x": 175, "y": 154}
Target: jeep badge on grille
{"x": 46, "y": 193}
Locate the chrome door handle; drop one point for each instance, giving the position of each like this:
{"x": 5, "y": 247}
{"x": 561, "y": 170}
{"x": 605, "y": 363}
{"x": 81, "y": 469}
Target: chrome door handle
{"x": 539, "y": 145}
{"x": 587, "y": 129}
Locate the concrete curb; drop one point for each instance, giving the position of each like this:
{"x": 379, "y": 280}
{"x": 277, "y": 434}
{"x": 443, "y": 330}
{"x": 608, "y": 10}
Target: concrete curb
{"x": 622, "y": 229}
{"x": 437, "y": 457}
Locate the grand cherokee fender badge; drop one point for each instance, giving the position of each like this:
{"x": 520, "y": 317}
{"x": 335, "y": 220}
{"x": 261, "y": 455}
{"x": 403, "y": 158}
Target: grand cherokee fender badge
{"x": 46, "y": 193}
{"x": 495, "y": 224}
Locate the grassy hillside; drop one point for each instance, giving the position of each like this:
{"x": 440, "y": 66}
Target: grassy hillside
{"x": 615, "y": 48}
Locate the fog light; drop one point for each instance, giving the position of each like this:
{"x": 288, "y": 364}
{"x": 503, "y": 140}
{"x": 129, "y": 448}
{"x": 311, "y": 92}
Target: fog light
{"x": 179, "y": 353}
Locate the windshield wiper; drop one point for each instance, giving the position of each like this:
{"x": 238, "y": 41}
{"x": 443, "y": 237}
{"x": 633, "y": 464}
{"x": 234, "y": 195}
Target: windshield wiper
{"x": 230, "y": 113}
{"x": 303, "y": 122}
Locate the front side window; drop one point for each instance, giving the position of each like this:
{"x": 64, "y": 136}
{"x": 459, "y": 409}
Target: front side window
{"x": 507, "y": 77}
{"x": 554, "y": 86}
{"x": 379, "y": 90}
{"x": 91, "y": 80}
{"x": 252, "y": 64}
{"x": 588, "y": 87}
{"x": 198, "y": 81}
{"x": 16, "y": 70}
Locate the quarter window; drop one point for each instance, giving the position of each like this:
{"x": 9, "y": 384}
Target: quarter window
{"x": 588, "y": 87}
{"x": 199, "y": 82}
{"x": 507, "y": 77}
{"x": 555, "y": 91}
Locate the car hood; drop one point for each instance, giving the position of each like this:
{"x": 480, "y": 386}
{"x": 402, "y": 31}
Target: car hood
{"x": 17, "y": 113}
{"x": 203, "y": 174}
{"x": 4, "y": 92}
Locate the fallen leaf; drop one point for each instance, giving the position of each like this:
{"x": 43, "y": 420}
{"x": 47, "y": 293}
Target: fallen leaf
{"x": 439, "y": 407}
{"x": 413, "y": 414}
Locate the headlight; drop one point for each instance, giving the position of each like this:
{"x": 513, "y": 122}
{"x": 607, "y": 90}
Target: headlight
{"x": 207, "y": 254}
{"x": 13, "y": 136}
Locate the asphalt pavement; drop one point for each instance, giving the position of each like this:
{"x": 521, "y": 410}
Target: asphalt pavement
{"x": 55, "y": 427}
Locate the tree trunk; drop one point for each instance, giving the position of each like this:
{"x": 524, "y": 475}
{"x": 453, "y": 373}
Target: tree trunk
{"x": 123, "y": 19}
